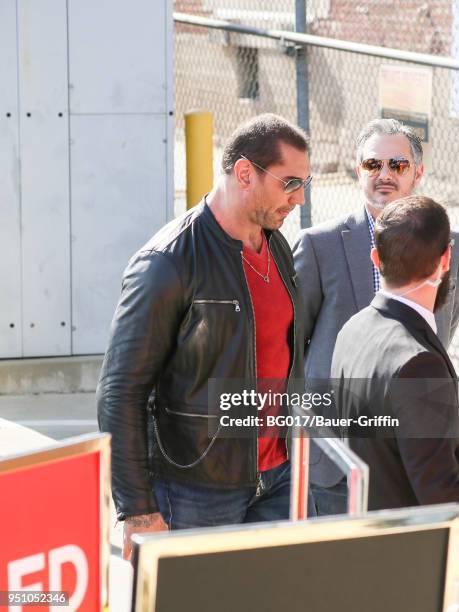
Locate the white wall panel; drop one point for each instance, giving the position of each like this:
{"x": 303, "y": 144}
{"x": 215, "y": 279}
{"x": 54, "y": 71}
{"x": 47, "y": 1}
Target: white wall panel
{"x": 169, "y": 61}
{"x": 43, "y": 87}
{"x": 10, "y": 239}
{"x": 114, "y": 150}
{"x": 117, "y": 56}
{"x": 118, "y": 166}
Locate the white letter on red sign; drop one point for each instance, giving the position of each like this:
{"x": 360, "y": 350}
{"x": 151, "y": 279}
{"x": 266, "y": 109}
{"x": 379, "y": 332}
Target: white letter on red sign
{"x": 21, "y": 567}
{"x": 68, "y": 554}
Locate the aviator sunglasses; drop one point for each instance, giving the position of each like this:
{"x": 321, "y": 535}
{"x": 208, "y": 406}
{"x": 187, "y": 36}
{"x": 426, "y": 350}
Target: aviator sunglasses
{"x": 373, "y": 166}
{"x": 289, "y": 186}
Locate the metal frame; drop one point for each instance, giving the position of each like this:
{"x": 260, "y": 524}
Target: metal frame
{"x": 299, "y": 476}
{"x": 70, "y": 448}
{"x": 451, "y": 599}
{"x": 320, "y": 41}
{"x": 356, "y": 471}
{"x": 151, "y": 548}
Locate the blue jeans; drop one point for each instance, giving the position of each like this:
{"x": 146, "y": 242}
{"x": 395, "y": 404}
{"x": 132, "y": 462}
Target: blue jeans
{"x": 331, "y": 500}
{"x": 187, "y": 506}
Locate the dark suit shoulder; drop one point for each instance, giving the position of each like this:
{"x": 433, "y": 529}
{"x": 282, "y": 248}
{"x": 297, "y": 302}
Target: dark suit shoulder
{"x": 372, "y": 340}
{"x": 371, "y": 323}
{"x": 424, "y": 364}
{"x": 363, "y": 319}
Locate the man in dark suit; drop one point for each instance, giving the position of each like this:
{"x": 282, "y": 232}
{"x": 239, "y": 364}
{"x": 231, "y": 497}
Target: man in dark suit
{"x": 394, "y": 380}
{"x": 337, "y": 278}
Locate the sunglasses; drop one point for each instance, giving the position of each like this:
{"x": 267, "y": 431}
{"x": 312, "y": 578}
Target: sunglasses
{"x": 289, "y": 186}
{"x": 373, "y": 166}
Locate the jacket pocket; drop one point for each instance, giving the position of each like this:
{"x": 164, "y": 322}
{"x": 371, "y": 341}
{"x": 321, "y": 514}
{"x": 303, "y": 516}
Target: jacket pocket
{"x": 183, "y": 442}
{"x": 234, "y": 303}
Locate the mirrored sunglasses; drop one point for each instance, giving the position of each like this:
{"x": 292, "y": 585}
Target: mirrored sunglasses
{"x": 373, "y": 166}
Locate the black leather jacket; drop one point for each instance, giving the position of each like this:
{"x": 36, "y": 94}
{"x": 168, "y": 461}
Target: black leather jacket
{"x": 185, "y": 316}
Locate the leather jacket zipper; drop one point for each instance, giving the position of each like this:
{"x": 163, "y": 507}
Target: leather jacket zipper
{"x": 234, "y": 303}
{"x": 258, "y": 475}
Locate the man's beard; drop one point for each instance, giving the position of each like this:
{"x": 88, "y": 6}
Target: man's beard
{"x": 442, "y": 293}
{"x": 379, "y": 205}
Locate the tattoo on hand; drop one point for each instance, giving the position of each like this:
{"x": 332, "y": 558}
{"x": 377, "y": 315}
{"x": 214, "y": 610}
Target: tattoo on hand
{"x": 142, "y": 520}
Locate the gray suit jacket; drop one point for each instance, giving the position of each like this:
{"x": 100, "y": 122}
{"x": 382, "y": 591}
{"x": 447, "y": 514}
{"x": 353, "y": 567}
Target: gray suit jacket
{"x": 334, "y": 269}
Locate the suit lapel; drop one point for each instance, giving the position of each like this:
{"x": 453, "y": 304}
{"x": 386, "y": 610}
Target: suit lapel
{"x": 357, "y": 246}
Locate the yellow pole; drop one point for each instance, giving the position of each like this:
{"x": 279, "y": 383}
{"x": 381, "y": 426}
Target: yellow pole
{"x": 199, "y": 151}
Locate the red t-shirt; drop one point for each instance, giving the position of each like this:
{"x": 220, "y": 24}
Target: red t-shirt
{"x": 273, "y": 313}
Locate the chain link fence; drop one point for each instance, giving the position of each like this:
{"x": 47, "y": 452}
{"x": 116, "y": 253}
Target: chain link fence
{"x": 237, "y": 76}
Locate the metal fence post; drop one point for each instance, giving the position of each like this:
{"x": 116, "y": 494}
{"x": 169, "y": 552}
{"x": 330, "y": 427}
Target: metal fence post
{"x": 302, "y": 98}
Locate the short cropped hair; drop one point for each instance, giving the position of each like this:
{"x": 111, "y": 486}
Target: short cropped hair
{"x": 411, "y": 234}
{"x": 391, "y": 127}
{"x": 258, "y": 139}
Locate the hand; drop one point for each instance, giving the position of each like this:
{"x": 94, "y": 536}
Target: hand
{"x": 140, "y": 524}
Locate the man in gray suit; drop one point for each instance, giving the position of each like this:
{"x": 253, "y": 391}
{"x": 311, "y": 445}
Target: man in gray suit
{"x": 338, "y": 278}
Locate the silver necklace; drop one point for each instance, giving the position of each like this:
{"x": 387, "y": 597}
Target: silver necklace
{"x": 265, "y": 277}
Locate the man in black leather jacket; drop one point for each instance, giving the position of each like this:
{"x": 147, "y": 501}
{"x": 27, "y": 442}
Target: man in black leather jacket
{"x": 194, "y": 305}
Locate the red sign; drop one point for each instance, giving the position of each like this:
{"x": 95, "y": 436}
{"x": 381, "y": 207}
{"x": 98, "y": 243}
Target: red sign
{"x": 51, "y": 530}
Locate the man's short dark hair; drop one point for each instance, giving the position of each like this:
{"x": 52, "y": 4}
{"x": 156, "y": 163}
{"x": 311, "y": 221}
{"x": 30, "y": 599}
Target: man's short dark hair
{"x": 258, "y": 139}
{"x": 411, "y": 234}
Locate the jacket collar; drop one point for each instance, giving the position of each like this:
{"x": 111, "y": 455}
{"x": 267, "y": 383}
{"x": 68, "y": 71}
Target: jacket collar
{"x": 412, "y": 320}
{"x": 400, "y": 311}
{"x": 356, "y": 219}
{"x": 213, "y": 225}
